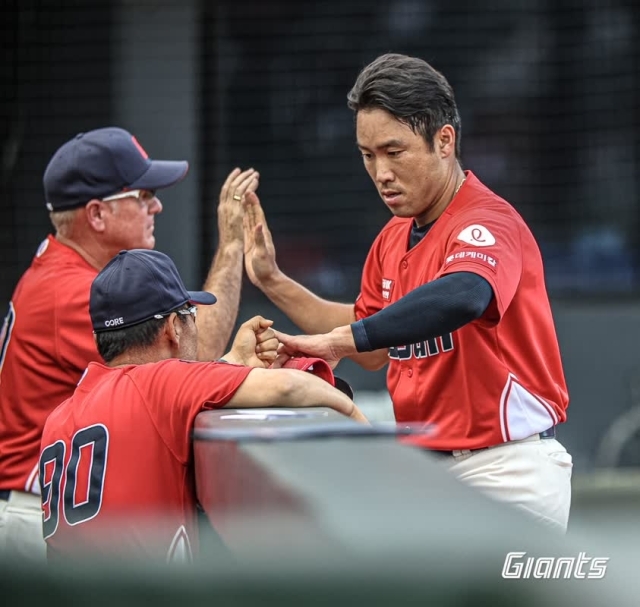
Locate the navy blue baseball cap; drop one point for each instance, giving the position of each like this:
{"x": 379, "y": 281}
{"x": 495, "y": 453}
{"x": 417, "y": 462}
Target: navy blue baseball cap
{"x": 138, "y": 285}
{"x": 101, "y": 163}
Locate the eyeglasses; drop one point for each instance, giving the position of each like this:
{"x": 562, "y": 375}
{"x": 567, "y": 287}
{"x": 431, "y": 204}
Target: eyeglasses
{"x": 190, "y": 311}
{"x": 144, "y": 196}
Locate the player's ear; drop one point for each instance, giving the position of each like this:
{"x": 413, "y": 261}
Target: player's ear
{"x": 445, "y": 141}
{"x": 95, "y": 213}
{"x": 172, "y": 329}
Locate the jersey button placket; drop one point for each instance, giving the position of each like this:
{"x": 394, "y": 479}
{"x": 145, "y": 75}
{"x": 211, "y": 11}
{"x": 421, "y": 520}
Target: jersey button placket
{"x": 404, "y": 264}
{"x": 410, "y": 373}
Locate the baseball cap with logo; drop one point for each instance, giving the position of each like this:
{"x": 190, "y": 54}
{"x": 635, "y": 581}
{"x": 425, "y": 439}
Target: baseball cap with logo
{"x": 138, "y": 285}
{"x": 101, "y": 163}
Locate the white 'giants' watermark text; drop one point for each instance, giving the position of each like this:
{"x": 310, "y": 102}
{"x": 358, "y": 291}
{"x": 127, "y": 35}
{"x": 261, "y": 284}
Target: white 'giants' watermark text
{"x": 518, "y": 566}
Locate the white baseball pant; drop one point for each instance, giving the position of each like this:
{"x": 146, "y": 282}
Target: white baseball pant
{"x": 21, "y": 527}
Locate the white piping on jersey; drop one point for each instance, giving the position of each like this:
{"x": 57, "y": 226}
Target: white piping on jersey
{"x": 33, "y": 481}
{"x": 523, "y": 413}
{"x": 180, "y": 548}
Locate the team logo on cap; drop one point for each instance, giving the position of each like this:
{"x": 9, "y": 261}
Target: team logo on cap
{"x": 114, "y": 322}
{"x": 477, "y": 235}
{"x": 140, "y": 148}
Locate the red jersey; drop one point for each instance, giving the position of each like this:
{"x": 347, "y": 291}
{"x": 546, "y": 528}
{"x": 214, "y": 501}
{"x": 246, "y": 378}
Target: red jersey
{"x": 45, "y": 345}
{"x": 116, "y": 466}
{"x": 498, "y": 378}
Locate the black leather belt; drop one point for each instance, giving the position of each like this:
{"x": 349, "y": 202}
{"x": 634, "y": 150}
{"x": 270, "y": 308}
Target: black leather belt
{"x": 550, "y": 433}
{"x": 5, "y": 494}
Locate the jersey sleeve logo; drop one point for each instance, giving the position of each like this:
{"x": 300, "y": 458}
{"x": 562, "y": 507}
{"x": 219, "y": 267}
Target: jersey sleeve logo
{"x": 477, "y": 235}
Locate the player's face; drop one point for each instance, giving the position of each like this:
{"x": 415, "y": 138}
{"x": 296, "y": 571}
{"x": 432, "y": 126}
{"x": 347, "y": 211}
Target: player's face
{"x": 130, "y": 222}
{"x": 409, "y": 177}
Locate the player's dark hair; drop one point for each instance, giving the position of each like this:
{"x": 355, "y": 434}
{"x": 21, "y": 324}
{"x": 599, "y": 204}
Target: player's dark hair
{"x": 114, "y": 343}
{"x": 412, "y": 91}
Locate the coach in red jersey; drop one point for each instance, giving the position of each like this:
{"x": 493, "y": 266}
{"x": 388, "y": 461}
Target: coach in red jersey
{"x": 100, "y": 190}
{"x": 452, "y": 298}
{"x": 116, "y": 465}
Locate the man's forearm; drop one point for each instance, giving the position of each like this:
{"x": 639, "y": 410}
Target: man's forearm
{"x": 310, "y": 313}
{"x": 216, "y": 322}
{"x": 343, "y": 346}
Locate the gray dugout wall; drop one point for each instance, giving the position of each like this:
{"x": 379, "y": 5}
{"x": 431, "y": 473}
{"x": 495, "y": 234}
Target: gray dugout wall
{"x": 328, "y": 519}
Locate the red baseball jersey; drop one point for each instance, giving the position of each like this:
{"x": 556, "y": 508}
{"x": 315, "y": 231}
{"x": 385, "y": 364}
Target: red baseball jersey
{"x": 116, "y": 465}
{"x": 498, "y": 378}
{"x": 45, "y": 345}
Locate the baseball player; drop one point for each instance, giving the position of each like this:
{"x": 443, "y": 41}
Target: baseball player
{"x": 452, "y": 298}
{"x": 116, "y": 464}
{"x": 100, "y": 190}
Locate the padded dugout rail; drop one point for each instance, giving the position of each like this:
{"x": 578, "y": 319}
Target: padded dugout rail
{"x": 292, "y": 481}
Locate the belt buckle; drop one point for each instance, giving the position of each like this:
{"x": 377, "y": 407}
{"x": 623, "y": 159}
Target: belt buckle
{"x": 461, "y": 452}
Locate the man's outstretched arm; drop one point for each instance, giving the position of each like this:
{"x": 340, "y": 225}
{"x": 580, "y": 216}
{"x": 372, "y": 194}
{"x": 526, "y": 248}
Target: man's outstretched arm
{"x": 224, "y": 280}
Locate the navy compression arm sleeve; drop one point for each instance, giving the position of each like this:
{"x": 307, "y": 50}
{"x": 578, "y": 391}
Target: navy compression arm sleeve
{"x": 436, "y": 308}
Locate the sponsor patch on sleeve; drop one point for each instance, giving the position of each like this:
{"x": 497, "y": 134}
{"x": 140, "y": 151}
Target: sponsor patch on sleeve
{"x": 476, "y": 256}
{"x": 477, "y": 235}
